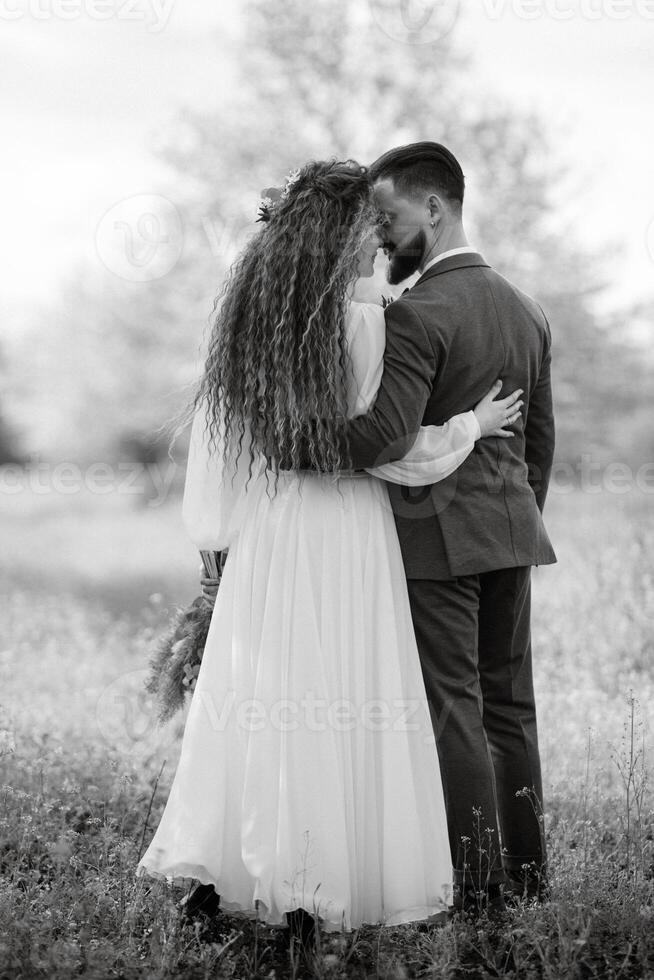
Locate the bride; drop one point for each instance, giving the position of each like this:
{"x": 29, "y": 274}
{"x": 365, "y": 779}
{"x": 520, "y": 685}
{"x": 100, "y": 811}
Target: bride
{"x": 308, "y": 777}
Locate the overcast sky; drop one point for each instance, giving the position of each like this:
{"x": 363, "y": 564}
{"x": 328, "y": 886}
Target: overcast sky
{"x": 83, "y": 101}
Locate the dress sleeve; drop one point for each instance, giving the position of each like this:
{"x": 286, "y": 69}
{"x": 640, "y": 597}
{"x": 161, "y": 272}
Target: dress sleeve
{"x": 390, "y": 426}
{"x": 214, "y": 490}
{"x": 366, "y": 339}
{"x": 438, "y": 449}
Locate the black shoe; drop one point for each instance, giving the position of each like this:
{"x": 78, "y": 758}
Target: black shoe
{"x": 302, "y": 927}
{"x": 201, "y": 900}
{"x": 490, "y": 901}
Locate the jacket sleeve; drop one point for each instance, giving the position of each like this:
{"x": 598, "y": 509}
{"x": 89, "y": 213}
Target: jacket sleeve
{"x": 388, "y": 431}
{"x": 539, "y": 429}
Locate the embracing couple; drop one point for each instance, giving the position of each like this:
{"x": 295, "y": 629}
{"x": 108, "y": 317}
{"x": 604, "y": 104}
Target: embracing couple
{"x": 378, "y": 477}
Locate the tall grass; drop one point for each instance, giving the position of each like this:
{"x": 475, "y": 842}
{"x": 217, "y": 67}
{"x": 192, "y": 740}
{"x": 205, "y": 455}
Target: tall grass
{"x": 87, "y": 585}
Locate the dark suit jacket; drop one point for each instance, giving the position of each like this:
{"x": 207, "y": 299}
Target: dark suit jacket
{"x": 460, "y": 328}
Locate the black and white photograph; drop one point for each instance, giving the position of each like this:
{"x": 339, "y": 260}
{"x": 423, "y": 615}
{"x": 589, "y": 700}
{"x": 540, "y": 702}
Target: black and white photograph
{"x": 327, "y": 489}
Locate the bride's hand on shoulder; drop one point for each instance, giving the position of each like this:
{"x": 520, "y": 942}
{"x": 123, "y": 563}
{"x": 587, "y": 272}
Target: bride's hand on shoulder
{"x": 493, "y": 415}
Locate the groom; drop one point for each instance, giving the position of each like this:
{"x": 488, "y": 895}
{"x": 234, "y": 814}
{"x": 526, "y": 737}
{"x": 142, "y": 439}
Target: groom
{"x": 469, "y": 542}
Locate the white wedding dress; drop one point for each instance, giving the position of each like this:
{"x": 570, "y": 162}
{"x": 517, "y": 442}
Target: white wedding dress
{"x": 308, "y": 774}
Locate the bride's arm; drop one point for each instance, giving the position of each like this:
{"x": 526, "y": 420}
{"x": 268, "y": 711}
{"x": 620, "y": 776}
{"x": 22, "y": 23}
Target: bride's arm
{"x": 440, "y": 449}
{"x": 214, "y": 489}
{"x": 437, "y": 452}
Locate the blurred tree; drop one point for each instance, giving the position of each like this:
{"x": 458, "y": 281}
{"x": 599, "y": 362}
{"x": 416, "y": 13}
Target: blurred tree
{"x": 320, "y": 80}
{"x": 325, "y": 80}
{"x": 8, "y": 444}
{"x": 111, "y": 367}
{"x": 9, "y": 436}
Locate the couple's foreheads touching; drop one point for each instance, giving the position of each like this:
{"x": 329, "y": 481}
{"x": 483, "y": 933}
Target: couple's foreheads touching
{"x": 409, "y": 201}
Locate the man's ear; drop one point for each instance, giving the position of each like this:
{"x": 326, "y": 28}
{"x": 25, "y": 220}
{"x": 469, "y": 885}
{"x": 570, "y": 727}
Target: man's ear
{"x": 435, "y": 206}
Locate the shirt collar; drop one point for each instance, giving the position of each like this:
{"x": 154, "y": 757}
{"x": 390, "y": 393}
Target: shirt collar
{"x": 446, "y": 255}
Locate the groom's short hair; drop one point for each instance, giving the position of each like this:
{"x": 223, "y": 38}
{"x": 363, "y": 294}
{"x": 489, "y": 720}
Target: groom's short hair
{"x": 421, "y": 167}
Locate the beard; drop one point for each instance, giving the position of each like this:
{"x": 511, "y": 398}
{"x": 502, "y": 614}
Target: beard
{"x": 405, "y": 260}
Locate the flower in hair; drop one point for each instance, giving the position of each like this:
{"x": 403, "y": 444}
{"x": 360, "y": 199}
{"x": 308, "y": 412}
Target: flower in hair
{"x": 270, "y": 196}
{"x": 289, "y": 181}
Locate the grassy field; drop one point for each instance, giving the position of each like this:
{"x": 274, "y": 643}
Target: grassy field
{"x": 87, "y": 582}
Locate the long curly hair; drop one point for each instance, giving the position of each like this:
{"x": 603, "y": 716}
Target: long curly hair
{"x": 275, "y": 376}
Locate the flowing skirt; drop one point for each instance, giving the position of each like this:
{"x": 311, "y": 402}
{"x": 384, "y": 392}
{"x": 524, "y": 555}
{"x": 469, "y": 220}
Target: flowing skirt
{"x": 308, "y": 775}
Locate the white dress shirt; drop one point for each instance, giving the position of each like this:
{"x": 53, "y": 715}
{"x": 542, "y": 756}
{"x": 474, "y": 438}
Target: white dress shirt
{"x": 446, "y": 255}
